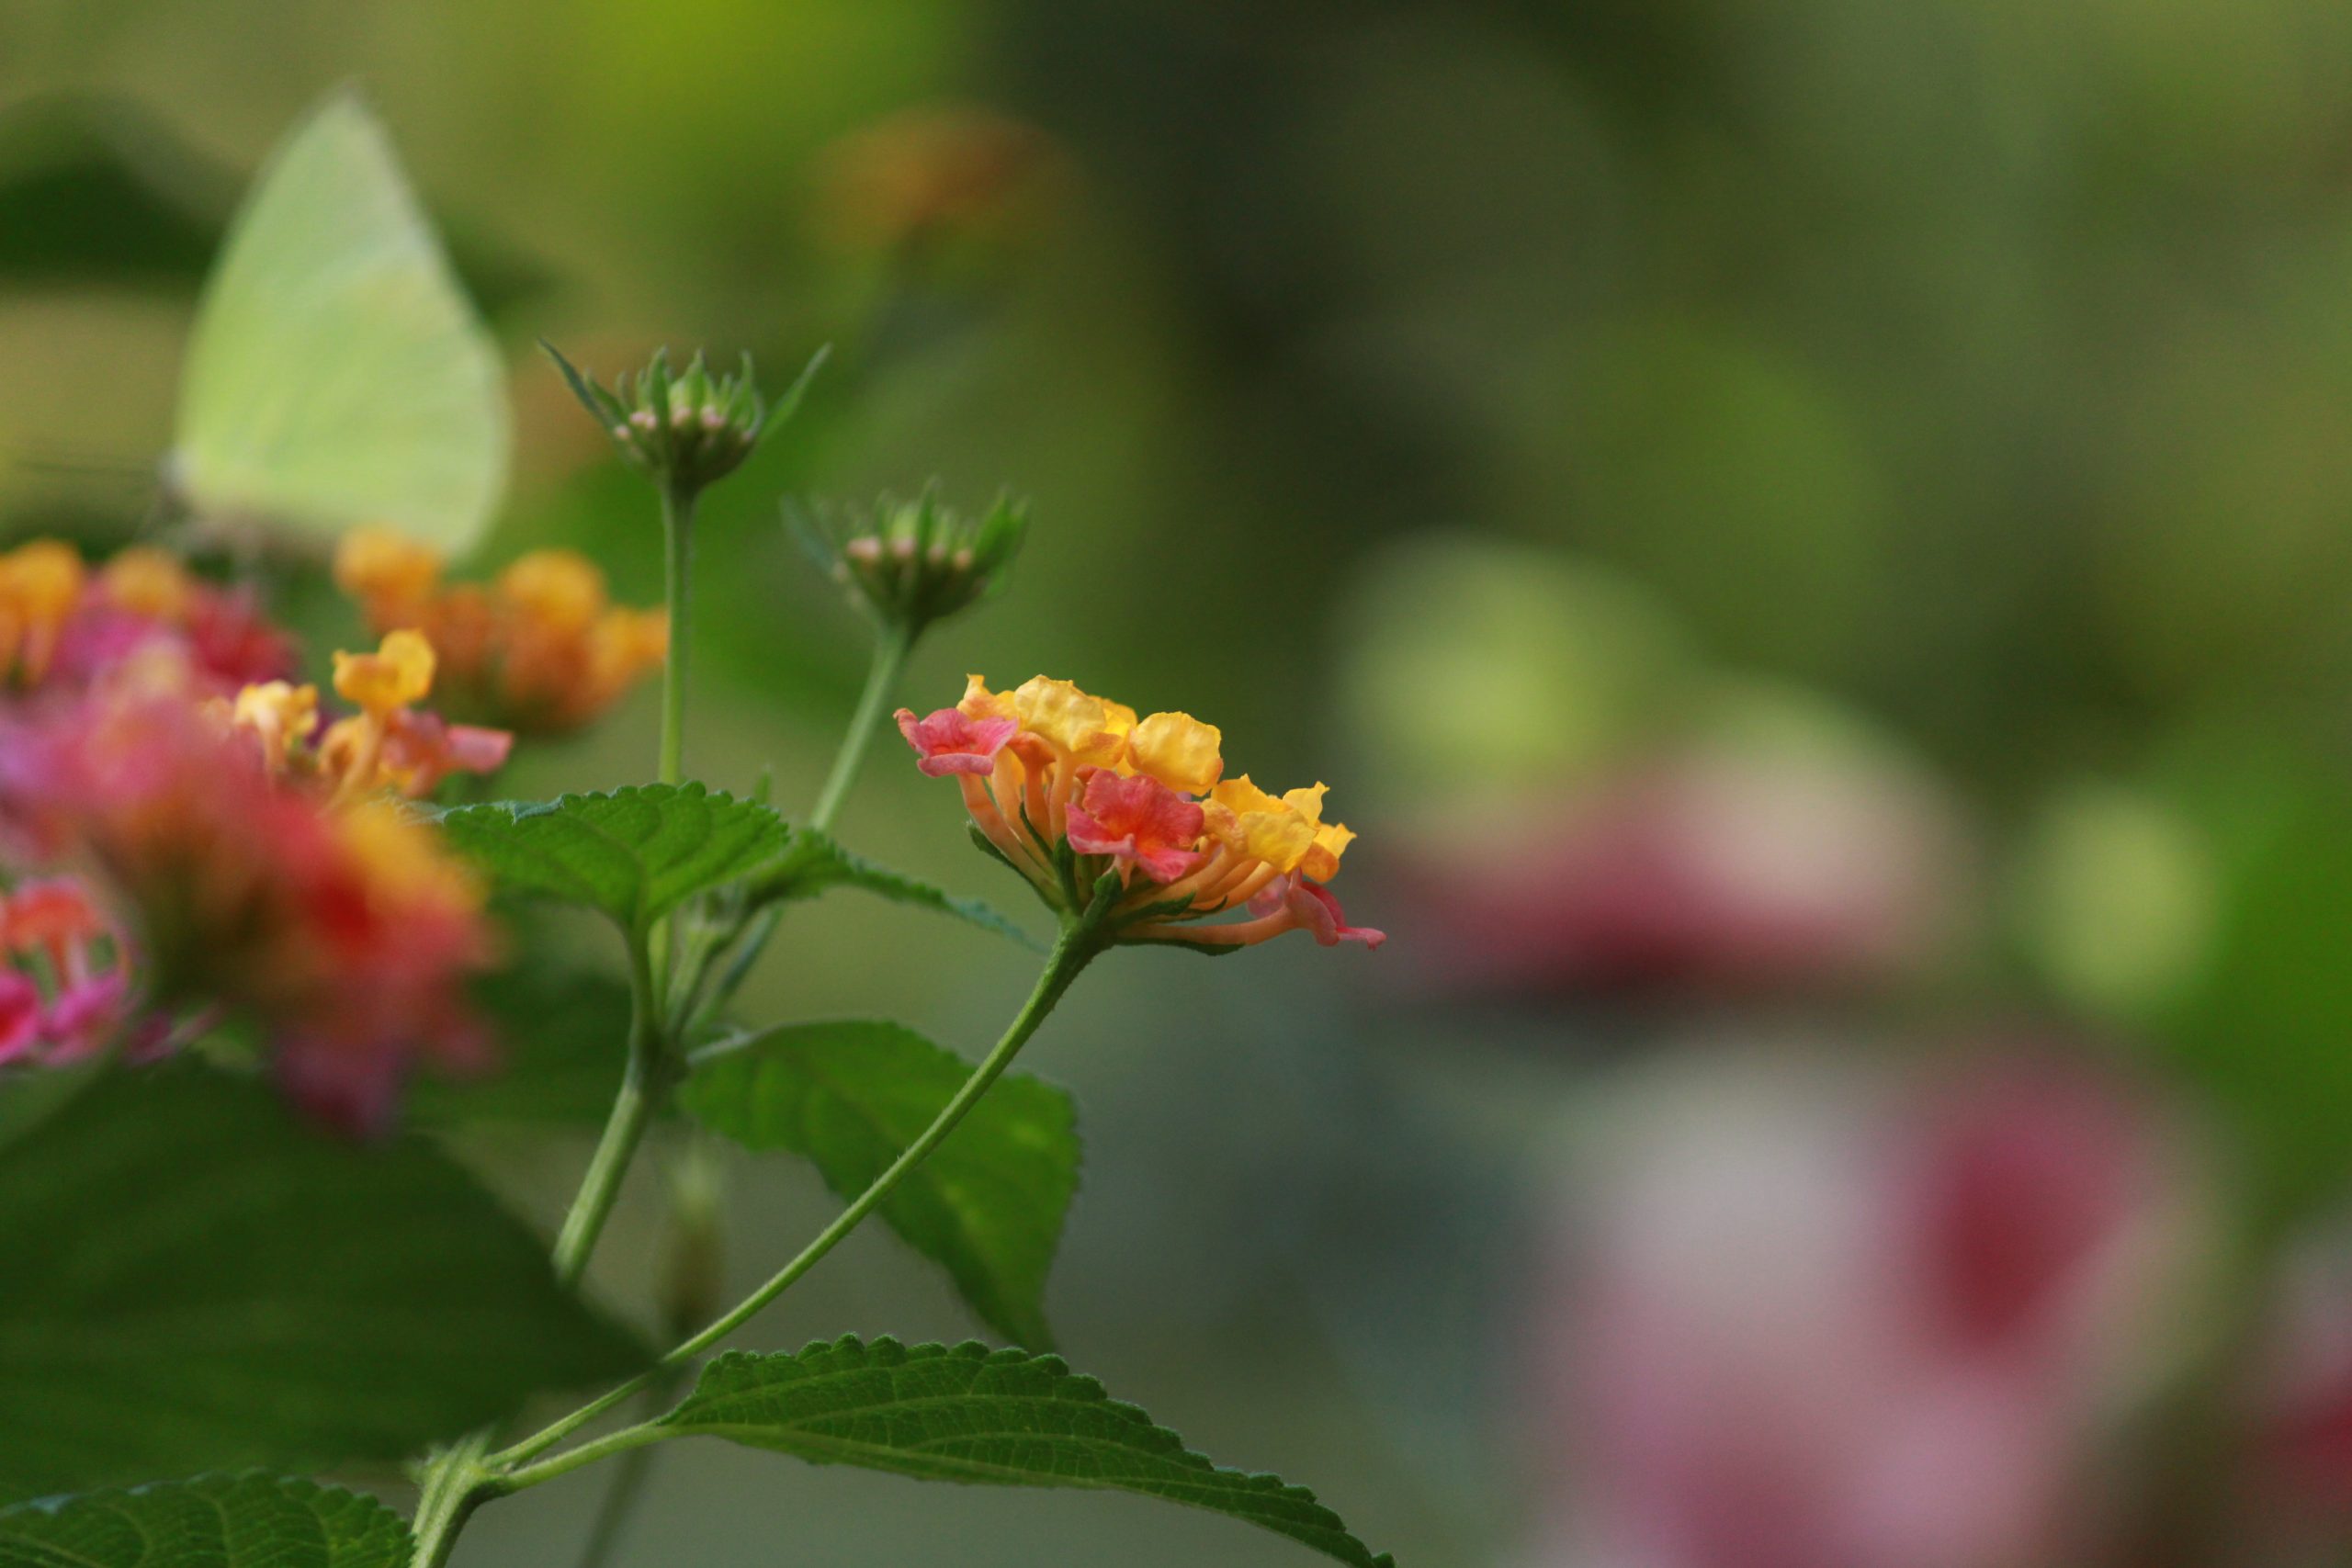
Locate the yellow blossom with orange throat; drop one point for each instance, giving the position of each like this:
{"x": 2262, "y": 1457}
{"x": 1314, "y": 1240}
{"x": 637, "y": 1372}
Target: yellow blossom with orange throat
{"x": 1090, "y": 802}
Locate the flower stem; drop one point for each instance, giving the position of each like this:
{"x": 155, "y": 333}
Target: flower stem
{"x": 454, "y": 1487}
{"x": 890, "y": 651}
{"x": 678, "y": 539}
{"x": 632, "y": 1112}
{"x": 1076, "y": 947}
{"x": 456, "y": 1480}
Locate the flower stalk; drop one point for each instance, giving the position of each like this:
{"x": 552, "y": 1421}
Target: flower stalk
{"x": 1079, "y": 943}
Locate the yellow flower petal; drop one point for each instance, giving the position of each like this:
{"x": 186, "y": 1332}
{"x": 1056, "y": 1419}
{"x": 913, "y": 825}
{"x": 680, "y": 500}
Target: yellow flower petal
{"x": 399, "y": 673}
{"x": 144, "y": 580}
{"x": 981, "y": 702}
{"x": 41, "y": 579}
{"x": 377, "y": 566}
{"x": 1178, "y": 751}
{"x": 562, "y": 591}
{"x": 278, "y": 707}
{"x": 1251, "y": 822}
{"x": 1083, "y": 726}
{"x": 1322, "y": 859}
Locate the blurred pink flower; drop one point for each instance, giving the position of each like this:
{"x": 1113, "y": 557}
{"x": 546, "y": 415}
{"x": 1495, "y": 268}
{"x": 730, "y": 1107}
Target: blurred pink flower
{"x": 1716, "y": 868}
{"x": 1814, "y": 1320}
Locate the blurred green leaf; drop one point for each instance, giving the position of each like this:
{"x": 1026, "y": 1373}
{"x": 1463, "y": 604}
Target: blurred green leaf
{"x": 214, "y": 1521}
{"x": 198, "y": 1279}
{"x": 95, "y": 192}
{"x": 2264, "y": 1027}
{"x": 999, "y": 1417}
{"x": 988, "y": 1206}
{"x": 635, "y": 854}
{"x": 814, "y": 864}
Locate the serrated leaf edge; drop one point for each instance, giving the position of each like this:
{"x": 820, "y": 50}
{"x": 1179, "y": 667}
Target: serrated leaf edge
{"x": 885, "y": 1351}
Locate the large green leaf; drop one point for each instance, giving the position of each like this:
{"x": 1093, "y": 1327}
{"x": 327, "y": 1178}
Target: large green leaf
{"x": 988, "y": 1204}
{"x": 816, "y": 865}
{"x": 1001, "y": 1418}
{"x": 213, "y": 1521}
{"x": 195, "y": 1278}
{"x": 636, "y": 853}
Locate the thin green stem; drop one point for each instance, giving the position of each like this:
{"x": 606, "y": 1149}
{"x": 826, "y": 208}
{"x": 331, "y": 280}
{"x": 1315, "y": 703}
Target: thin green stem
{"x": 890, "y": 651}
{"x": 678, "y": 538}
{"x": 632, "y": 1113}
{"x": 457, "y": 1480}
{"x": 454, "y": 1487}
{"x": 564, "y": 1463}
{"x": 1076, "y": 948}
{"x": 628, "y": 1485}
{"x": 678, "y": 558}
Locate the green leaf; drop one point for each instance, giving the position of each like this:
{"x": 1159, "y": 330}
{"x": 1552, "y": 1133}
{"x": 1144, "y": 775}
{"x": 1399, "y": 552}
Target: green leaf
{"x": 814, "y": 864}
{"x": 97, "y": 192}
{"x": 214, "y": 1521}
{"x": 636, "y": 853}
{"x": 198, "y": 1279}
{"x": 988, "y": 1205}
{"x": 969, "y": 1413}
{"x": 2261, "y": 1025}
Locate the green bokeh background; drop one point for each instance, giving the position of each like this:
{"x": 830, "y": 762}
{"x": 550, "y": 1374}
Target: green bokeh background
{"x": 1982, "y": 369}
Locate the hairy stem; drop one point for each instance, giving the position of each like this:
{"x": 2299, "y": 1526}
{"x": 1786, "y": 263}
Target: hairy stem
{"x": 457, "y": 1480}
{"x": 454, "y": 1487}
{"x": 1076, "y": 948}
{"x": 890, "y": 651}
{"x": 699, "y": 1002}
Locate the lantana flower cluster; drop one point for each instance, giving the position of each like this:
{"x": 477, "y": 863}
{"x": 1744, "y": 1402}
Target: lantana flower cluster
{"x": 540, "y": 648}
{"x": 62, "y": 983}
{"x": 64, "y": 624}
{"x": 207, "y": 851}
{"x": 1067, "y": 787}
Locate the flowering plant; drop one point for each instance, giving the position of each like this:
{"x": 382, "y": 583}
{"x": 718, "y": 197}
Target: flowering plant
{"x": 251, "y": 946}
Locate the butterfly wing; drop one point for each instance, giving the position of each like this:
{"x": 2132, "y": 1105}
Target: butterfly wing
{"x": 337, "y": 374}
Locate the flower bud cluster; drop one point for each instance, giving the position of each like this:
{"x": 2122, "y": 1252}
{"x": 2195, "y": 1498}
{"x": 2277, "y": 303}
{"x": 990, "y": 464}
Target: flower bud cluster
{"x": 911, "y": 563}
{"x": 688, "y": 429}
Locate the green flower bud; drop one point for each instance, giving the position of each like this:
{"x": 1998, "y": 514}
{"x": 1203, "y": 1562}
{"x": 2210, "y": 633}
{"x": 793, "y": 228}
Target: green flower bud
{"x": 911, "y": 563}
{"x": 686, "y": 430}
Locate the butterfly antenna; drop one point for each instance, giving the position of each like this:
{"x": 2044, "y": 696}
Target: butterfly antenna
{"x": 88, "y": 468}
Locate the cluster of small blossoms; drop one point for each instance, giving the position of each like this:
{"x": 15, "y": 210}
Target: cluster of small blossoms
{"x": 389, "y": 745}
{"x": 64, "y": 988}
{"x": 64, "y": 624}
{"x": 268, "y": 891}
{"x": 540, "y": 648}
{"x": 157, "y": 762}
{"x": 1067, "y": 788}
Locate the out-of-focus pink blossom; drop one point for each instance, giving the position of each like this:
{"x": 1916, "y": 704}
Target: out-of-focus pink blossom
{"x": 345, "y": 930}
{"x": 1716, "y": 869}
{"x": 1815, "y": 1321}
